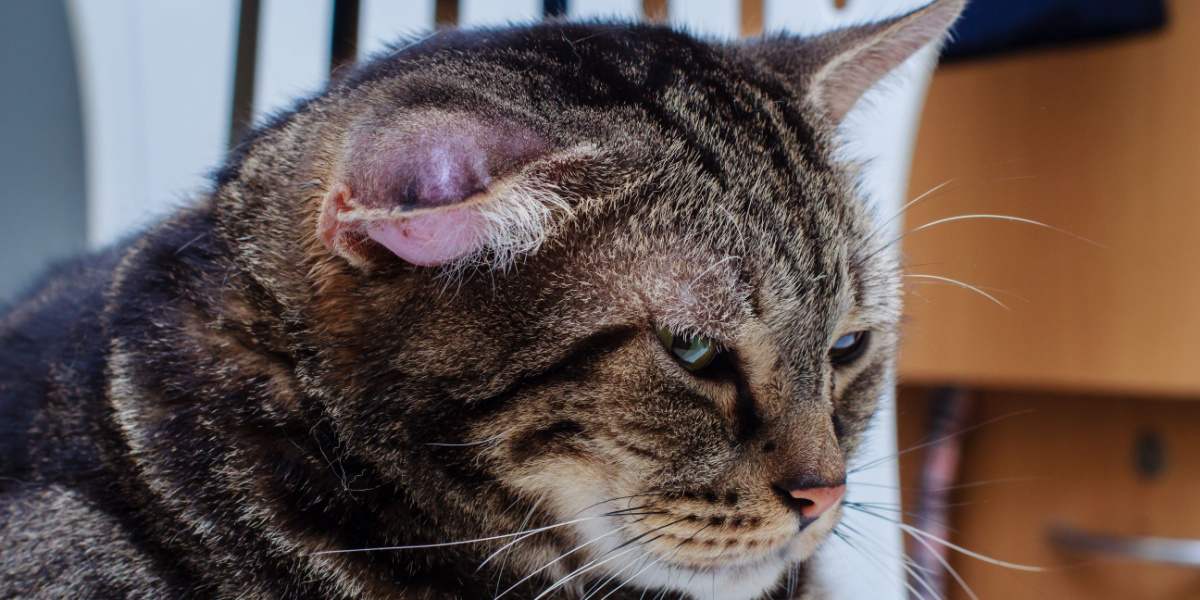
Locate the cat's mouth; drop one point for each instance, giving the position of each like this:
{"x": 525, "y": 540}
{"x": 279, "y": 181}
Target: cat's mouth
{"x": 673, "y": 550}
{"x": 721, "y": 570}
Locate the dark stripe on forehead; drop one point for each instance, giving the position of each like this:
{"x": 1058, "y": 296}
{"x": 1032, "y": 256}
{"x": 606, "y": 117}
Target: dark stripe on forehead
{"x": 608, "y": 86}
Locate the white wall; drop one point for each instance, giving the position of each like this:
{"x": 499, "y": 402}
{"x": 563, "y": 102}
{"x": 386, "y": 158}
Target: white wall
{"x": 157, "y": 84}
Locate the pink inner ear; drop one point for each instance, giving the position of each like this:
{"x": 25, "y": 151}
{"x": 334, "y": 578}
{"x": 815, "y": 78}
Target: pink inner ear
{"x": 431, "y": 239}
{"x": 431, "y": 163}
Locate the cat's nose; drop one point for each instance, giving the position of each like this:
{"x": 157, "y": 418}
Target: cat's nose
{"x": 808, "y": 499}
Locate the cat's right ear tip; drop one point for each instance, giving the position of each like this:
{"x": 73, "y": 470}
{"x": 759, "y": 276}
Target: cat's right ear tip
{"x": 946, "y": 11}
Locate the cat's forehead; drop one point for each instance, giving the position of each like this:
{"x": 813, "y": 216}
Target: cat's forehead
{"x": 713, "y": 269}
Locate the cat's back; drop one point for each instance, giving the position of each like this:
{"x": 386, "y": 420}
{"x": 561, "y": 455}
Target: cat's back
{"x": 61, "y": 480}
{"x": 52, "y": 353}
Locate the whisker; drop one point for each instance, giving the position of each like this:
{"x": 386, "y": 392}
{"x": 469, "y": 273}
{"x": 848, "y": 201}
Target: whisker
{"x": 617, "y": 513}
{"x": 560, "y": 557}
{"x": 963, "y": 431}
{"x": 490, "y": 440}
{"x": 593, "y": 563}
{"x": 710, "y": 268}
{"x": 903, "y": 209}
{"x": 971, "y": 553}
{"x": 975, "y": 484}
{"x": 949, "y": 569}
{"x": 882, "y": 567}
{"x": 607, "y": 580}
{"x": 523, "y": 525}
{"x": 920, "y": 533}
{"x": 992, "y": 290}
{"x": 617, "y": 498}
{"x": 958, "y": 283}
{"x": 658, "y": 560}
{"x": 1009, "y": 218}
{"x": 463, "y": 542}
{"x": 584, "y": 569}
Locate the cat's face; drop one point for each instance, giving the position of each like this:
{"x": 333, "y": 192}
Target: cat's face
{"x": 608, "y": 281}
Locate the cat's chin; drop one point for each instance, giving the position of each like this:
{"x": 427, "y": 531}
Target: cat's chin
{"x": 735, "y": 577}
{"x": 748, "y": 581}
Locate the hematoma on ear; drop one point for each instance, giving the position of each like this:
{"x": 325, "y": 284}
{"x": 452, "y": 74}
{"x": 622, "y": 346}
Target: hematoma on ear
{"x": 437, "y": 188}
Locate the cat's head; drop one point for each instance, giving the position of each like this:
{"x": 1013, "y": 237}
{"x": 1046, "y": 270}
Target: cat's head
{"x": 608, "y": 276}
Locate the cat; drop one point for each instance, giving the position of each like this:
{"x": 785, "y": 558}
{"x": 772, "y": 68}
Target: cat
{"x": 579, "y": 309}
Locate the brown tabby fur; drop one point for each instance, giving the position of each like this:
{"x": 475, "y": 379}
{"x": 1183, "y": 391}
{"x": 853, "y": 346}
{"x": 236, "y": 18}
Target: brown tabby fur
{"x": 210, "y": 408}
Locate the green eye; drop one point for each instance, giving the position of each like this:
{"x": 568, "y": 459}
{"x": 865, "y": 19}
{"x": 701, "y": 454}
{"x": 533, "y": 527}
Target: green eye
{"x": 693, "y": 352}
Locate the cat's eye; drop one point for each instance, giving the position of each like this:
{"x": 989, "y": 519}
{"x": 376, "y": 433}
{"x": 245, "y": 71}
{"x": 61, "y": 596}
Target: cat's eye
{"x": 692, "y": 352}
{"x": 848, "y": 348}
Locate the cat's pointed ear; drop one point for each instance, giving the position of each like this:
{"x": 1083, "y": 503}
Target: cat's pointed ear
{"x": 835, "y": 69}
{"x": 438, "y": 188}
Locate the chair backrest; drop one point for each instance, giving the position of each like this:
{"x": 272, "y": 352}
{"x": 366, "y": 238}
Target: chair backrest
{"x": 160, "y": 81}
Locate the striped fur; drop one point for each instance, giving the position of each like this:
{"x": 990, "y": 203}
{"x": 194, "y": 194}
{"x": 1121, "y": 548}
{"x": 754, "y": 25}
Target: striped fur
{"x": 215, "y": 407}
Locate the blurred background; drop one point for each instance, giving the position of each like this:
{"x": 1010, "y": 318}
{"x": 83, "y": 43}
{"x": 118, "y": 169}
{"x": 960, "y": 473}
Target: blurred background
{"x": 1046, "y": 178}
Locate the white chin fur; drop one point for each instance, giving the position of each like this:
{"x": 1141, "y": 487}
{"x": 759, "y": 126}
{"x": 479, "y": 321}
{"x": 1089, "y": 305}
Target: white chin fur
{"x": 748, "y": 581}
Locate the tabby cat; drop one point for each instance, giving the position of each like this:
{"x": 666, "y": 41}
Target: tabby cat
{"x": 573, "y": 310}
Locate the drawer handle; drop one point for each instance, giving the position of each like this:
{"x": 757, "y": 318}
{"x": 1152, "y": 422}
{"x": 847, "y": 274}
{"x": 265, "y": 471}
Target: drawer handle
{"x": 1145, "y": 549}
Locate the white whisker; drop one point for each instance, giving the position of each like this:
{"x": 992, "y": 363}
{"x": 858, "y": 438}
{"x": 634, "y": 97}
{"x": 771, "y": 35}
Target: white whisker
{"x": 560, "y": 557}
{"x": 920, "y": 533}
{"x": 460, "y": 543}
{"x": 959, "y": 284}
{"x": 949, "y": 436}
{"x": 710, "y": 268}
{"x": 977, "y": 556}
{"x": 879, "y": 563}
{"x": 1003, "y": 218}
{"x": 678, "y": 547}
{"x": 946, "y": 565}
{"x": 903, "y": 209}
{"x": 581, "y": 570}
{"x": 523, "y": 525}
{"x": 610, "y": 578}
{"x": 490, "y": 440}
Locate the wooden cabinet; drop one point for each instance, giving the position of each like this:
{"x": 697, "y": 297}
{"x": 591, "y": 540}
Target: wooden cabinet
{"x": 1099, "y": 342}
{"x": 1053, "y": 459}
{"x": 1102, "y": 141}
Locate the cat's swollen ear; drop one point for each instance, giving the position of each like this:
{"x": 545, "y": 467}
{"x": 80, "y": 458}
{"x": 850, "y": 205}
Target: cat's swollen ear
{"x": 437, "y": 189}
{"x": 835, "y": 69}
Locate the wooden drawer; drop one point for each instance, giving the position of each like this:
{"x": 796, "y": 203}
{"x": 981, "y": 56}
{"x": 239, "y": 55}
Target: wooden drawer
{"x": 1103, "y": 141}
{"x": 1068, "y": 460}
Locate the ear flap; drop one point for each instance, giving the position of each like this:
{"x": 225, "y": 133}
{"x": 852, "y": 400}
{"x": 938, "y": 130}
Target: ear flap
{"x": 835, "y": 69}
{"x": 437, "y": 189}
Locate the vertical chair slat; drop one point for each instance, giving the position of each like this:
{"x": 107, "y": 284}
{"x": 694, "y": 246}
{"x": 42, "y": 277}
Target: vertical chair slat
{"x": 245, "y": 71}
{"x": 343, "y": 43}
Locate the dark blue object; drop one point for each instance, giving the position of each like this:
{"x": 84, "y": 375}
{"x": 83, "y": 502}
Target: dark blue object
{"x": 995, "y": 26}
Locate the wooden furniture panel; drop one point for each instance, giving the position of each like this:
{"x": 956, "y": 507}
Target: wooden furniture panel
{"x": 1101, "y": 140}
{"x": 1069, "y": 459}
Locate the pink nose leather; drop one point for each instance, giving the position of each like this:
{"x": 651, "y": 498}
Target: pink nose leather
{"x": 814, "y": 502}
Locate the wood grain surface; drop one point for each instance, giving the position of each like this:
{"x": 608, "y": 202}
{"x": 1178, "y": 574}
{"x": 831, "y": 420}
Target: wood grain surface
{"x": 1101, "y": 140}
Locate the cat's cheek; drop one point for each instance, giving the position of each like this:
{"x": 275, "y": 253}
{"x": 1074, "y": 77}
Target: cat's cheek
{"x": 430, "y": 240}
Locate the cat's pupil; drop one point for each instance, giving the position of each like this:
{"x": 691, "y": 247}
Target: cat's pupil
{"x": 848, "y": 348}
{"x": 693, "y": 352}
{"x": 689, "y": 350}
